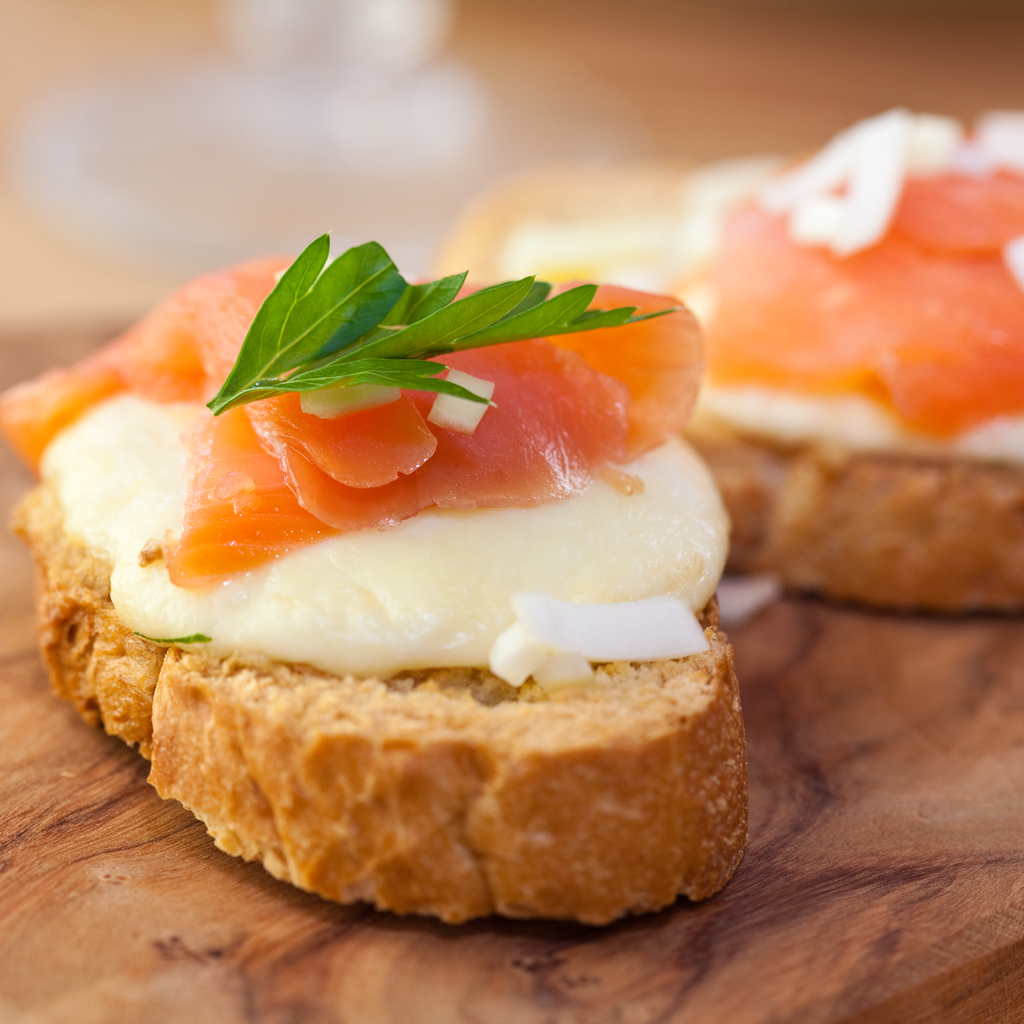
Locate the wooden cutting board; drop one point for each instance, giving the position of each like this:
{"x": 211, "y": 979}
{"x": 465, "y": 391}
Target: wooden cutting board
{"x": 884, "y": 880}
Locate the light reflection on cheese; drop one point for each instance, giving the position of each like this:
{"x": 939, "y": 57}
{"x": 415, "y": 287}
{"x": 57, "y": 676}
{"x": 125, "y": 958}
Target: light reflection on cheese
{"x": 434, "y": 591}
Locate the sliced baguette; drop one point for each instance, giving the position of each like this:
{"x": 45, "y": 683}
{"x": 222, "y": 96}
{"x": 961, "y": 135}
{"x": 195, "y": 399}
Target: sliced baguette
{"x": 439, "y": 792}
{"x": 889, "y": 530}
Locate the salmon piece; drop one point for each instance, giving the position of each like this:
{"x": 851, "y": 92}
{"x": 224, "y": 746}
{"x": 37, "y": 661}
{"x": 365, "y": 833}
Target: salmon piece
{"x": 181, "y": 351}
{"x": 185, "y": 347}
{"x": 661, "y": 361}
{"x": 32, "y": 413}
{"x": 556, "y": 419}
{"x": 368, "y": 448}
{"x": 240, "y": 512}
{"x": 349, "y": 508}
{"x": 962, "y": 214}
{"x": 938, "y": 337}
{"x": 269, "y": 478}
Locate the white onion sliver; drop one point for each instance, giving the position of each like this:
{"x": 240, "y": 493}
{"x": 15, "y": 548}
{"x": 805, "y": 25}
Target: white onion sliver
{"x": 1013, "y": 257}
{"x": 1000, "y": 136}
{"x": 331, "y": 402}
{"x": 823, "y": 172}
{"x": 562, "y": 671}
{"x": 460, "y": 414}
{"x": 817, "y": 220}
{"x": 740, "y": 598}
{"x": 647, "y": 630}
{"x": 934, "y": 143}
{"x": 875, "y": 182}
{"x": 870, "y": 161}
{"x": 515, "y": 655}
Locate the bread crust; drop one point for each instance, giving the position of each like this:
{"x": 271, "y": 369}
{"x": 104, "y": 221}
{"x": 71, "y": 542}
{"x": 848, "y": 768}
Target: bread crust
{"x": 438, "y": 792}
{"x": 889, "y": 530}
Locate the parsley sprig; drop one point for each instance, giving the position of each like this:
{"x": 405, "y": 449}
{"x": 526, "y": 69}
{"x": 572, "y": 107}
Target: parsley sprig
{"x": 357, "y": 321}
{"x": 193, "y": 638}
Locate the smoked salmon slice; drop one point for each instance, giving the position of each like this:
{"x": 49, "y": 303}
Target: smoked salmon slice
{"x": 268, "y": 477}
{"x": 180, "y": 351}
{"x": 556, "y": 419}
{"x": 32, "y": 413}
{"x": 368, "y": 448}
{"x": 960, "y": 213}
{"x": 240, "y": 512}
{"x": 661, "y": 361}
{"x": 938, "y": 336}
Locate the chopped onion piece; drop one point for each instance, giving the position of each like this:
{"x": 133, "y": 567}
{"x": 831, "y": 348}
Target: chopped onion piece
{"x": 817, "y": 220}
{"x": 564, "y": 671}
{"x": 971, "y": 159}
{"x": 460, "y": 414}
{"x": 1013, "y": 257}
{"x": 515, "y": 655}
{"x": 824, "y": 172}
{"x": 1000, "y": 136}
{"x": 933, "y": 144}
{"x": 740, "y": 598}
{"x": 651, "y": 629}
{"x": 647, "y": 630}
{"x": 875, "y": 183}
{"x": 338, "y": 400}
{"x": 846, "y": 195}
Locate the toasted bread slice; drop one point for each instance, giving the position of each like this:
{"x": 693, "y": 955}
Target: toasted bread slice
{"x": 441, "y": 792}
{"x": 890, "y": 530}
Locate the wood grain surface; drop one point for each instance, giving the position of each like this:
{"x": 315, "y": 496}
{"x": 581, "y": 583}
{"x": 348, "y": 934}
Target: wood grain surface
{"x": 883, "y": 881}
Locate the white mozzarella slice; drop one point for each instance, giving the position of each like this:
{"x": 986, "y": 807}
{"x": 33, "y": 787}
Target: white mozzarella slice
{"x": 434, "y": 590}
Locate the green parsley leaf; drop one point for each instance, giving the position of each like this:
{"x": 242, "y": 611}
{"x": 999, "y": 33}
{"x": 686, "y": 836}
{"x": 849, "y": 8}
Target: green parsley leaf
{"x": 356, "y": 321}
{"x": 420, "y": 300}
{"x": 412, "y": 374}
{"x": 440, "y": 331}
{"x": 195, "y": 638}
{"x": 311, "y": 314}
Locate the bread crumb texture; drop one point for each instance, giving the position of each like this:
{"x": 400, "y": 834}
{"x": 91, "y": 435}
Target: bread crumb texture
{"x": 893, "y": 531}
{"x": 441, "y": 792}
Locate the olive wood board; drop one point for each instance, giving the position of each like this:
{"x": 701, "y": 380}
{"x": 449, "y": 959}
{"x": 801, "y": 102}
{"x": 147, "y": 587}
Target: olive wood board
{"x": 883, "y": 882}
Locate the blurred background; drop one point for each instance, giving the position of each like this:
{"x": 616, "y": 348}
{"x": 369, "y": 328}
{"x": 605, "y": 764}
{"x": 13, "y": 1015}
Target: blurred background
{"x": 143, "y": 141}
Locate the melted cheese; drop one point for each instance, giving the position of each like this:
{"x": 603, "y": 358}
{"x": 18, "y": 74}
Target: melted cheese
{"x": 850, "y": 421}
{"x": 434, "y": 591}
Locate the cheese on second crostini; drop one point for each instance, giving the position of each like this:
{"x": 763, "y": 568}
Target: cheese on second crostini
{"x": 853, "y": 422}
{"x": 436, "y": 590}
